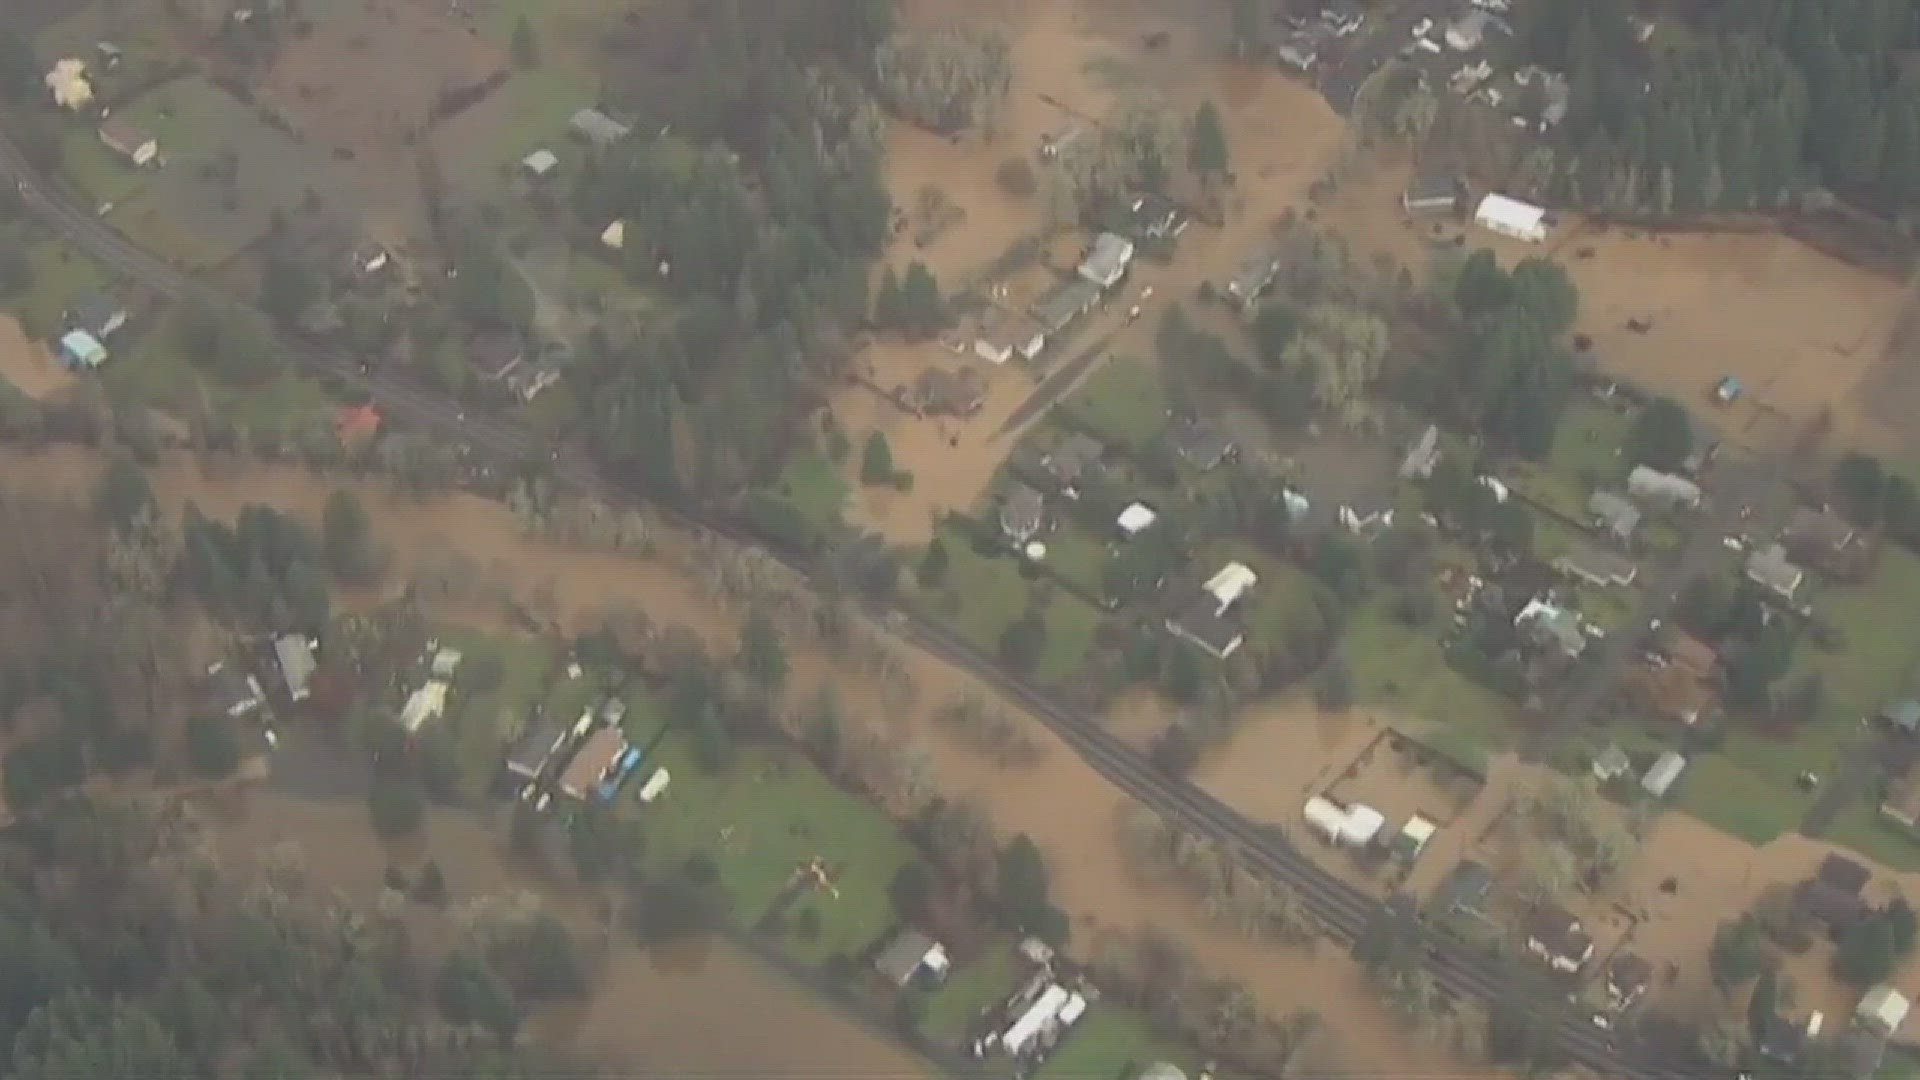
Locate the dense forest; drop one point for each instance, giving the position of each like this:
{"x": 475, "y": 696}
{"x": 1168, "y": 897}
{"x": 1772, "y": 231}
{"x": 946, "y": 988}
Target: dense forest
{"x": 757, "y": 209}
{"x": 1736, "y": 104}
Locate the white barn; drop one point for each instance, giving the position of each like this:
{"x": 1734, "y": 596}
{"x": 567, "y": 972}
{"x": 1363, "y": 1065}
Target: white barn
{"x": 1511, "y": 217}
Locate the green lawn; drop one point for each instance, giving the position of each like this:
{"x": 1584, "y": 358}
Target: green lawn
{"x": 979, "y": 984}
{"x": 529, "y": 112}
{"x": 981, "y": 595}
{"x": 1721, "y": 792}
{"x": 1122, "y": 403}
{"x": 59, "y": 273}
{"x": 1071, "y": 625}
{"x": 1404, "y": 670}
{"x": 488, "y": 720}
{"x": 1107, "y": 1042}
{"x": 1584, "y": 456}
{"x": 1078, "y": 557}
{"x": 1861, "y": 828}
{"x": 770, "y": 814}
{"x": 815, "y": 488}
{"x": 102, "y": 175}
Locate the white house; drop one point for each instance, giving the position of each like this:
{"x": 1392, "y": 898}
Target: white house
{"x": 1232, "y": 581}
{"x": 426, "y": 703}
{"x": 1107, "y": 263}
{"x": 1511, "y": 217}
{"x": 541, "y": 163}
{"x": 614, "y": 235}
{"x": 1648, "y": 483}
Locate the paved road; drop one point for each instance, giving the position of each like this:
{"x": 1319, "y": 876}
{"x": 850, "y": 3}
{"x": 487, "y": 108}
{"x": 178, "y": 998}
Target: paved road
{"x": 1342, "y": 908}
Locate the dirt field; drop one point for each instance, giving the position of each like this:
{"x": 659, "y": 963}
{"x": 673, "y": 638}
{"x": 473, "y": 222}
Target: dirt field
{"x": 26, "y": 364}
{"x": 365, "y": 80}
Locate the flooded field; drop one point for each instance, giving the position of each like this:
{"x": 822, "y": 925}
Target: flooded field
{"x": 641, "y": 1013}
{"x": 1069, "y": 810}
{"x": 26, "y": 364}
{"x": 1799, "y": 329}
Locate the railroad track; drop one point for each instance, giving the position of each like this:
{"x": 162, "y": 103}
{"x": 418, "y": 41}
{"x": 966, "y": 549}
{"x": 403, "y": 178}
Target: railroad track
{"x": 1342, "y": 909}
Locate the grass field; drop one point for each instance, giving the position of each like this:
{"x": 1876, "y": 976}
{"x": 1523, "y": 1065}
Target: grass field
{"x": 980, "y": 983}
{"x": 814, "y": 487}
{"x": 487, "y": 723}
{"x": 1585, "y": 455}
{"x": 1071, "y": 625}
{"x": 771, "y": 813}
{"x": 1078, "y": 558}
{"x": 59, "y": 273}
{"x": 528, "y": 113}
{"x": 1109, "y": 1043}
{"x": 1404, "y": 670}
{"x": 1748, "y": 788}
{"x": 1123, "y": 403}
{"x": 981, "y": 595}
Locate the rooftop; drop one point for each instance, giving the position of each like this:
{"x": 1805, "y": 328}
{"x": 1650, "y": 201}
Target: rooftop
{"x": 1199, "y": 444}
{"x": 598, "y": 126}
{"x": 1615, "y": 511}
{"x": 1770, "y": 567}
{"x": 1107, "y": 260}
{"x": 1231, "y": 582}
{"x": 1204, "y": 622}
{"x": 592, "y": 761}
{"x": 1558, "y": 931}
{"x": 904, "y": 955}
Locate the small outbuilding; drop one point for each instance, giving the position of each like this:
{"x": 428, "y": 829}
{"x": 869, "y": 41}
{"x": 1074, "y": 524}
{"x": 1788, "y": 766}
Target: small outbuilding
{"x": 1883, "y": 1010}
{"x": 1431, "y": 195}
{"x": 82, "y": 351}
{"x": 598, "y": 128}
{"x": 1136, "y": 519}
{"x": 913, "y": 958}
{"x": 294, "y": 654}
{"x": 1022, "y": 513}
{"x": 1666, "y": 769}
{"x": 541, "y": 163}
{"x": 535, "y": 749}
{"x": 1645, "y": 482}
{"x": 1610, "y": 763}
{"x": 130, "y": 142}
{"x": 1615, "y": 514}
{"x": 1511, "y": 218}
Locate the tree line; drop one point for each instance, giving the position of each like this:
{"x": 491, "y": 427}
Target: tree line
{"x": 1759, "y": 100}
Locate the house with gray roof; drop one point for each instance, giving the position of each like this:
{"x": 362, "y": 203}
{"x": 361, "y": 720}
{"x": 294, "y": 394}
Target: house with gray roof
{"x": 1059, "y": 306}
{"x": 1022, "y": 512}
{"x": 1596, "y": 566}
{"x": 1615, "y": 514}
{"x": 597, "y": 127}
{"x": 1107, "y": 261}
{"x": 1769, "y": 568}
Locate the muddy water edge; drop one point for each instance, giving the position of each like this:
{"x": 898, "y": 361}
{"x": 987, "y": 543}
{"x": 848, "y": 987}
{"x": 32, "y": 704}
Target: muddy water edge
{"x": 1069, "y": 810}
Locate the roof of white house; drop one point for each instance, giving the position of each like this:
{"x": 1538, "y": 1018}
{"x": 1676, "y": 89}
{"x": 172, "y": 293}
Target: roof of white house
{"x": 1136, "y": 517}
{"x": 1231, "y": 582}
{"x": 1419, "y": 830}
{"x": 424, "y": 704}
{"x": 1649, "y": 481}
{"x": 1509, "y": 213}
{"x": 1884, "y": 1009}
{"x": 1108, "y": 260}
{"x": 614, "y": 235}
{"x": 541, "y": 162}
{"x": 83, "y": 346}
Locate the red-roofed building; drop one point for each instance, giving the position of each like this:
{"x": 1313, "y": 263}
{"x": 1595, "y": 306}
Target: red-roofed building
{"x": 356, "y": 424}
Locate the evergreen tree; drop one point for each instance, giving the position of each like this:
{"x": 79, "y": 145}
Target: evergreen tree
{"x": 762, "y": 657}
{"x": 525, "y": 46}
{"x": 876, "y": 460}
{"x": 1207, "y": 144}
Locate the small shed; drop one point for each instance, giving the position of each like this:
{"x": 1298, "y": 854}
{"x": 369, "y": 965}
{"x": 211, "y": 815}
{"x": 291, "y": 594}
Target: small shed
{"x": 1413, "y": 838}
{"x": 1022, "y": 513}
{"x": 541, "y": 163}
{"x": 1430, "y": 194}
{"x": 1610, "y": 763}
{"x": 82, "y": 351}
{"x": 912, "y": 956}
{"x": 598, "y": 128}
{"x": 1666, "y": 769}
{"x": 1883, "y": 1010}
{"x": 294, "y": 654}
{"x": 1649, "y": 483}
{"x": 1136, "y": 519}
{"x": 614, "y": 236}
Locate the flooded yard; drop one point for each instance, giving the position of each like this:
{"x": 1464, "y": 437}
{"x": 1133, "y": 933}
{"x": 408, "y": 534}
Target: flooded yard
{"x": 1069, "y": 810}
{"x": 26, "y": 364}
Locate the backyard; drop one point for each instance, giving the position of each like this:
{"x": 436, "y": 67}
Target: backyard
{"x": 1403, "y": 670}
{"x": 981, "y": 595}
{"x": 1124, "y": 404}
{"x": 767, "y": 816}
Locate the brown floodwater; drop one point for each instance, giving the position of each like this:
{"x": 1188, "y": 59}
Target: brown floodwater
{"x": 1069, "y": 810}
